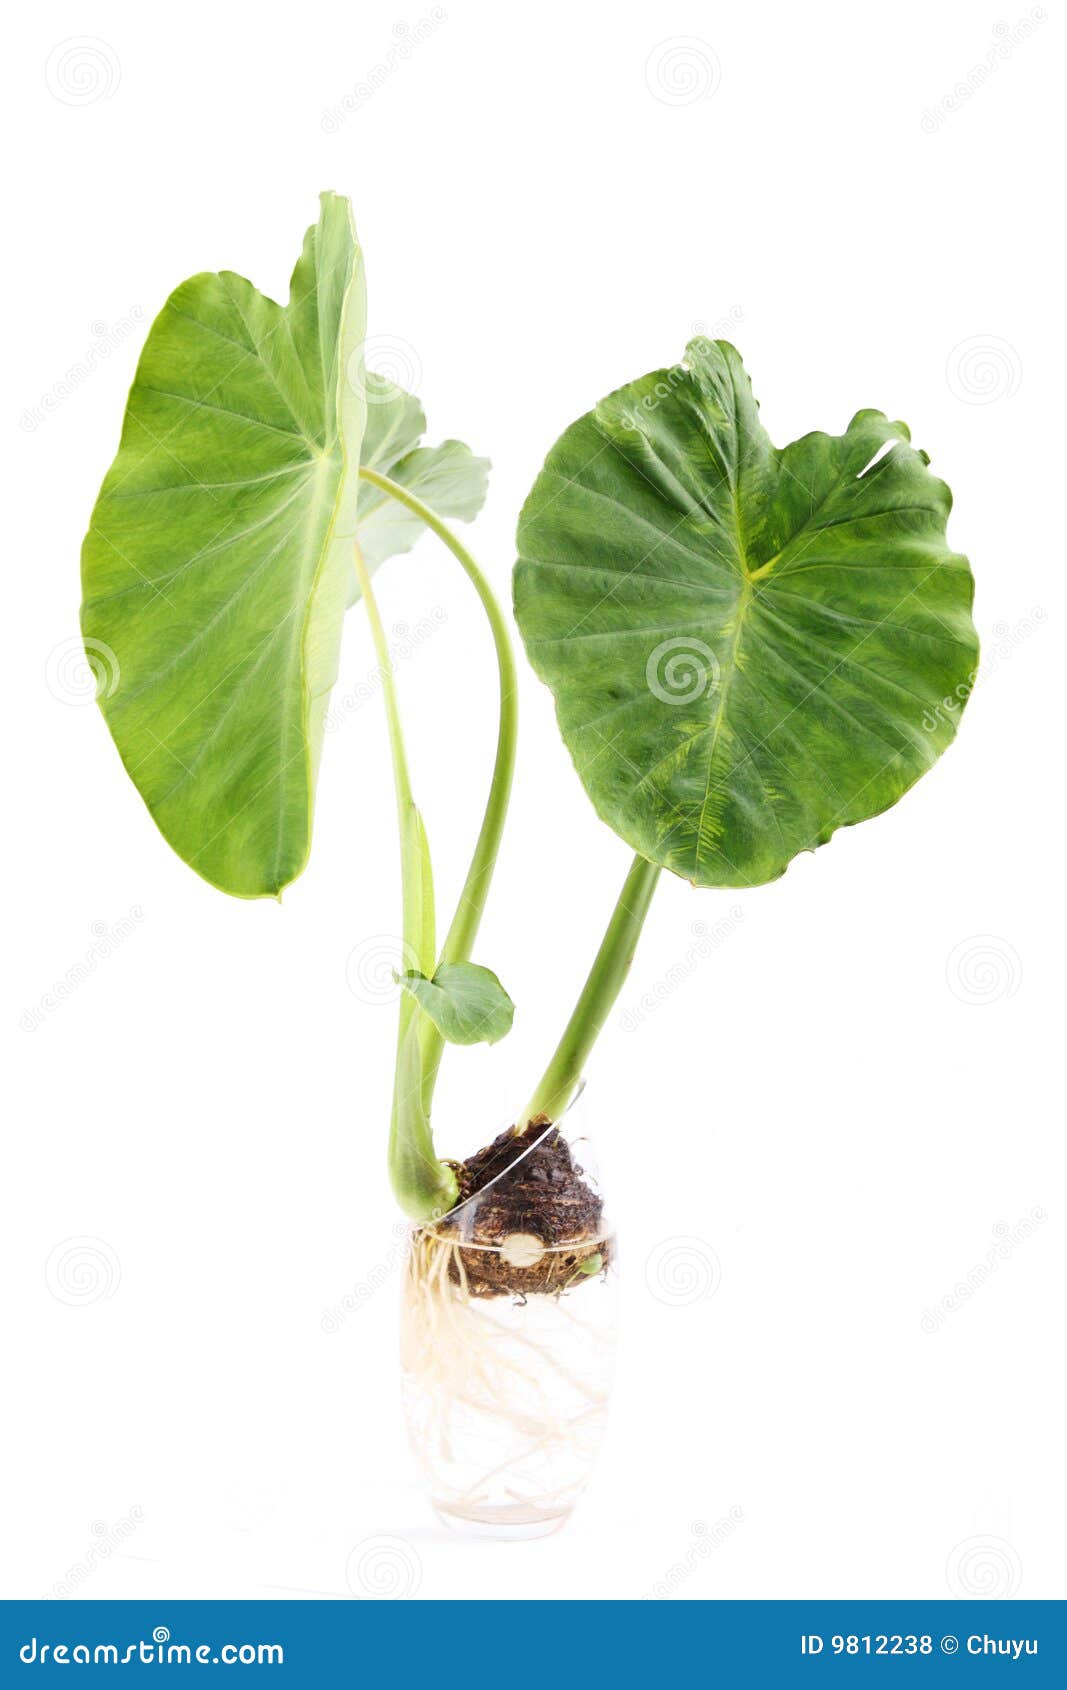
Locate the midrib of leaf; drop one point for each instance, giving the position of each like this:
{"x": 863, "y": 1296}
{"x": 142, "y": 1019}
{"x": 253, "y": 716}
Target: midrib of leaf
{"x": 750, "y": 578}
{"x": 743, "y": 603}
{"x": 300, "y": 655}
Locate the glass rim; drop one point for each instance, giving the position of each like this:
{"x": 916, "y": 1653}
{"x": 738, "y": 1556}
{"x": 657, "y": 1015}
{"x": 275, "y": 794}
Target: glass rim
{"x": 605, "y": 1237}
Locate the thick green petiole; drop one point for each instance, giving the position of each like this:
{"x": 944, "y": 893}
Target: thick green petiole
{"x": 423, "y": 1185}
{"x": 610, "y": 968}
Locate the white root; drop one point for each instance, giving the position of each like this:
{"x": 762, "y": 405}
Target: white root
{"x": 498, "y": 1416}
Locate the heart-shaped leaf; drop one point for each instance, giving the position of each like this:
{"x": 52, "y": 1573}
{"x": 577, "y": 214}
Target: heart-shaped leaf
{"x": 749, "y": 647}
{"x": 466, "y": 1003}
{"x": 217, "y": 561}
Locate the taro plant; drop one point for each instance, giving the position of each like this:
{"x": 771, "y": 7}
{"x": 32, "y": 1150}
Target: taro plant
{"x": 262, "y": 476}
{"x": 748, "y": 646}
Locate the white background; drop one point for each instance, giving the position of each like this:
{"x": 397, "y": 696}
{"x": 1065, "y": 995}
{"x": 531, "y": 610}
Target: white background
{"x": 837, "y": 1107}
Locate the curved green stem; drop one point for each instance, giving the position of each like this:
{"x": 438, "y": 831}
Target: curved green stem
{"x": 423, "y": 1185}
{"x": 459, "y": 940}
{"x": 609, "y": 970}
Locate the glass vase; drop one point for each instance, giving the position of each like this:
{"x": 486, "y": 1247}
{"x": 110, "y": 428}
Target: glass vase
{"x": 508, "y": 1336}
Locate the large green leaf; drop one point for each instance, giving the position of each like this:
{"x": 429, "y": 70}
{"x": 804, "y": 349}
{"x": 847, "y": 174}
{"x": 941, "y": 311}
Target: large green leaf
{"x": 448, "y": 477}
{"x": 748, "y": 647}
{"x": 217, "y": 561}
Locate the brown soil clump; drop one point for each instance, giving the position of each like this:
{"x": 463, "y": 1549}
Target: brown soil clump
{"x": 540, "y": 1227}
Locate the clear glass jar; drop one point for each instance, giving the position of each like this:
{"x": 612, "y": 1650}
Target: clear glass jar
{"x": 508, "y": 1341}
